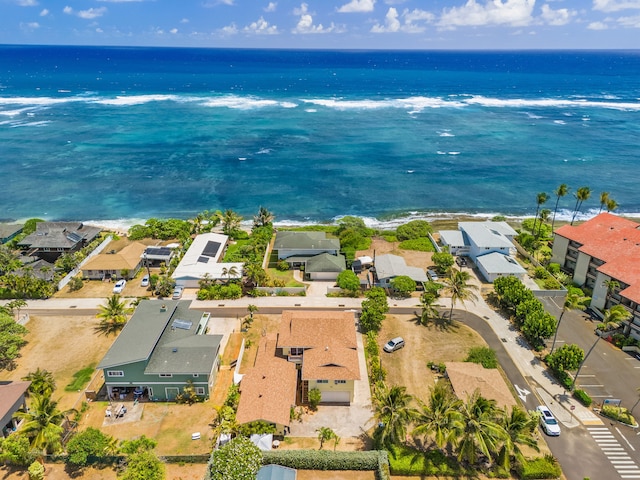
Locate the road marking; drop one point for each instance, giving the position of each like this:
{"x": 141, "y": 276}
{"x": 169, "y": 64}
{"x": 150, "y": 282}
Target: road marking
{"x": 625, "y": 439}
{"x": 522, "y": 392}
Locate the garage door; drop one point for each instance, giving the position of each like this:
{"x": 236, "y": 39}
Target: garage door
{"x": 335, "y": 397}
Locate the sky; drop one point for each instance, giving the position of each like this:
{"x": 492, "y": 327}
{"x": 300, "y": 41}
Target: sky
{"x": 325, "y": 24}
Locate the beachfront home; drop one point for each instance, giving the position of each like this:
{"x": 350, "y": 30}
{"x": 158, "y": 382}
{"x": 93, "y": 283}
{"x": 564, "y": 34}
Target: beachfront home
{"x": 52, "y": 239}
{"x": 162, "y": 347}
{"x": 202, "y": 260}
{"x": 157, "y": 256}
{"x": 268, "y": 389}
{"x": 8, "y": 231}
{"x": 603, "y": 254}
{"x": 324, "y": 266}
{"x": 298, "y": 247}
{"x": 12, "y": 399}
{"x": 324, "y": 346}
{"x": 123, "y": 264}
{"x": 388, "y": 267}
{"x": 489, "y": 244}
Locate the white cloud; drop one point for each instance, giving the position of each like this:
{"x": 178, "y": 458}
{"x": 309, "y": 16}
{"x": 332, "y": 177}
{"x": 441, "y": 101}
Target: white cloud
{"x": 391, "y": 22}
{"x": 597, "y": 26}
{"x": 30, "y": 26}
{"x": 121, "y": 1}
{"x": 493, "y": 12}
{"x": 173, "y": 31}
{"x": 261, "y": 27}
{"x": 99, "y": 30}
{"x": 410, "y": 21}
{"x": 357, "y": 6}
{"x": 630, "y": 22}
{"x": 559, "y": 17}
{"x": 615, "y": 5}
{"x": 68, "y": 10}
{"x": 271, "y": 7}
{"x": 44, "y": 12}
{"x": 92, "y": 13}
{"x": 229, "y": 29}
{"x": 27, "y": 3}
{"x": 214, "y": 3}
{"x": 305, "y": 24}
{"x": 184, "y": 20}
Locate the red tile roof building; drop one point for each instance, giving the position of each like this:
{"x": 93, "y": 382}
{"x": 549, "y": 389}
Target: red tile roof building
{"x": 605, "y": 248}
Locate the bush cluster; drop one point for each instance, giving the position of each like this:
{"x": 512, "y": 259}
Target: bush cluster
{"x": 620, "y": 414}
{"x": 583, "y": 397}
{"x": 324, "y": 459}
{"x": 231, "y": 291}
{"x": 484, "y": 356}
{"x": 541, "y": 467}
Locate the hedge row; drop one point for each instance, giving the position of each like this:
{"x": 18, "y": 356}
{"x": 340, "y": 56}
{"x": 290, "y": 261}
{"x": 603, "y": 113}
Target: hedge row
{"x": 539, "y": 468}
{"x": 376, "y": 460}
{"x": 583, "y": 397}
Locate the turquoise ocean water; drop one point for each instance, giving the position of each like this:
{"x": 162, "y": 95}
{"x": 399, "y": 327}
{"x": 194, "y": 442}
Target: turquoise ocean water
{"x": 117, "y": 134}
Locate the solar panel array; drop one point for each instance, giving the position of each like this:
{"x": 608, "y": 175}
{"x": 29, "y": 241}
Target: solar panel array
{"x": 183, "y": 324}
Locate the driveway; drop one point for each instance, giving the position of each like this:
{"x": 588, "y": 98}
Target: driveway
{"x": 351, "y": 421}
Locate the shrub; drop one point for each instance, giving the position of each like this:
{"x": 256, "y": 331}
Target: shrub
{"x": 75, "y": 284}
{"x": 238, "y": 459}
{"x": 540, "y": 272}
{"x": 484, "y": 356}
{"x": 551, "y": 284}
{"x": 414, "y": 229}
{"x": 348, "y": 280}
{"x": 282, "y": 265}
{"x": 403, "y": 286}
{"x": 87, "y": 446}
{"x": 314, "y": 398}
{"x": 418, "y": 244}
{"x": 582, "y": 397}
{"x": 553, "y": 268}
{"x": 541, "y": 467}
{"x": 620, "y": 414}
{"x": 36, "y": 471}
{"x": 409, "y": 462}
{"x": 325, "y": 459}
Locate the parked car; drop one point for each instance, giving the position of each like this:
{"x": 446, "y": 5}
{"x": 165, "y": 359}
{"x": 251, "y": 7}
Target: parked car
{"x": 461, "y": 261}
{"x": 119, "y": 286}
{"x": 548, "y": 422}
{"x": 433, "y": 276}
{"x": 145, "y": 281}
{"x": 177, "y": 293}
{"x": 394, "y": 344}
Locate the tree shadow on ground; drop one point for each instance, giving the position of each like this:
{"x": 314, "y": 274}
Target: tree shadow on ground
{"x": 442, "y": 322}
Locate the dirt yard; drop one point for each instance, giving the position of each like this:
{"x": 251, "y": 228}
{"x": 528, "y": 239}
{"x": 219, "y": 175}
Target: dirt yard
{"x": 435, "y": 343}
{"x": 413, "y": 258}
{"x": 63, "y": 345}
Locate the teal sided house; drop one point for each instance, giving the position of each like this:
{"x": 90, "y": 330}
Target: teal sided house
{"x": 161, "y": 349}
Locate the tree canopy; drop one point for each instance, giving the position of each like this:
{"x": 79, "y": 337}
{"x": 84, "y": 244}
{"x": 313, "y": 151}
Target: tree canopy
{"x": 11, "y": 340}
{"x": 239, "y": 459}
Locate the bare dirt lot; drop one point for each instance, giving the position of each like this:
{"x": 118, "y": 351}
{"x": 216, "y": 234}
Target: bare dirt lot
{"x": 413, "y": 258}
{"x": 435, "y": 343}
{"x": 63, "y": 345}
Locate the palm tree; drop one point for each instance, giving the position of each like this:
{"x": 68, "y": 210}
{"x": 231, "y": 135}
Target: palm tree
{"x": 230, "y": 222}
{"x": 325, "y": 434}
{"x": 541, "y": 198}
{"x": 429, "y": 310}
{"x": 604, "y": 198}
{"x": 255, "y": 274}
{"x": 230, "y": 272}
{"x": 438, "y": 416}
{"x": 477, "y": 429}
{"x": 611, "y": 286}
{"x": 42, "y": 382}
{"x": 572, "y": 302}
{"x": 459, "y": 288}
{"x": 43, "y": 423}
{"x": 545, "y": 213}
{"x": 559, "y": 192}
{"x": 263, "y": 218}
{"x": 113, "y": 315}
{"x": 251, "y": 309}
{"x": 519, "y": 427}
{"x": 393, "y": 412}
{"x": 612, "y": 317}
{"x": 581, "y": 195}
{"x": 611, "y": 205}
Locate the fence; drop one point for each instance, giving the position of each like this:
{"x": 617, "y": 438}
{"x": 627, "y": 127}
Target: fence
{"x": 275, "y": 291}
{"x": 67, "y": 278}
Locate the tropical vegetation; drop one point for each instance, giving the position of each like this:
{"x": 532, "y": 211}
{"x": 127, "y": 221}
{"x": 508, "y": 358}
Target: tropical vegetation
{"x": 112, "y": 315}
{"x": 11, "y": 340}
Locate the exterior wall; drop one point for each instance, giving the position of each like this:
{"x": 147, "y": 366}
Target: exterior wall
{"x": 582, "y": 266}
{"x": 187, "y": 282}
{"x": 599, "y": 296}
{"x": 475, "y": 251}
{"x": 491, "y": 277}
{"x": 331, "y": 386}
{"x": 134, "y": 376}
{"x": 8, "y": 419}
{"x": 100, "y": 274}
{"x": 286, "y": 253}
{"x": 559, "y": 252}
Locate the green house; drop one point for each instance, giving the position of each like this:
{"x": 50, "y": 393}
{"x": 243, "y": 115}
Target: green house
{"x": 163, "y": 347}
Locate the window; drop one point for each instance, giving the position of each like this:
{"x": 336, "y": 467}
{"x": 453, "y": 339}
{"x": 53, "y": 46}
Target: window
{"x": 200, "y": 391}
{"x": 322, "y": 381}
{"x": 339, "y": 382}
{"x": 296, "y": 351}
{"x": 166, "y": 375}
{"x": 115, "y": 373}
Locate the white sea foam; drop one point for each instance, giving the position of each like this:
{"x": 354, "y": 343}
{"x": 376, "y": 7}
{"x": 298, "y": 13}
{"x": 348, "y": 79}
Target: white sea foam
{"x": 454, "y": 153}
{"x": 128, "y": 100}
{"x": 310, "y": 110}
{"x": 263, "y": 151}
{"x": 532, "y": 116}
{"x": 559, "y": 122}
{"x": 13, "y": 113}
{"x": 31, "y": 124}
{"x": 37, "y": 101}
{"x": 240, "y": 103}
{"x": 446, "y": 134}
{"x": 440, "y": 152}
{"x": 548, "y": 103}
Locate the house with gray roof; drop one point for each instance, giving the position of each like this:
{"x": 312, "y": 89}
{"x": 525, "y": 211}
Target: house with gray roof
{"x": 8, "y": 231}
{"x": 161, "y": 348}
{"x": 388, "y": 267}
{"x": 52, "y": 239}
{"x": 495, "y": 265}
{"x": 325, "y": 266}
{"x": 297, "y": 247}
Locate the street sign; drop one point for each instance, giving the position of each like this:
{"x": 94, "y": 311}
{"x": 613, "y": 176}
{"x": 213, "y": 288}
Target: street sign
{"x": 612, "y": 401}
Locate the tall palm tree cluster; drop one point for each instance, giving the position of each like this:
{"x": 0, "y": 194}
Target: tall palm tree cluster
{"x": 473, "y": 430}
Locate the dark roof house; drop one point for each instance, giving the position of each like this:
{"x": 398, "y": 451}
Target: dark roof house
{"x": 52, "y": 239}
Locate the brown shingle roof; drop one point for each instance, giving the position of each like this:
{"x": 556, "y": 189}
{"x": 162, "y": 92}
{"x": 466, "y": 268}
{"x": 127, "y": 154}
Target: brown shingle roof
{"x": 128, "y": 258}
{"x": 466, "y": 378}
{"x": 268, "y": 390}
{"x": 309, "y": 329}
{"x": 10, "y": 393}
{"x": 330, "y": 363}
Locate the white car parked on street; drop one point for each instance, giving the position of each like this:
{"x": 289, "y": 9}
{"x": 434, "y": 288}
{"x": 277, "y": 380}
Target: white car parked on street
{"x": 548, "y": 422}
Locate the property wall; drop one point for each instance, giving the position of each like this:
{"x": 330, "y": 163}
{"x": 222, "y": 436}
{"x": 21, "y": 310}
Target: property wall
{"x": 559, "y": 252}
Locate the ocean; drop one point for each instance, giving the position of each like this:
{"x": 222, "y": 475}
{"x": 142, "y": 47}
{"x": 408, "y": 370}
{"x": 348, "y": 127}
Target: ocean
{"x": 121, "y": 134}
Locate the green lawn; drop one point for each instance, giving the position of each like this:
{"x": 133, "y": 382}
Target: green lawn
{"x": 80, "y": 379}
{"x": 286, "y": 277}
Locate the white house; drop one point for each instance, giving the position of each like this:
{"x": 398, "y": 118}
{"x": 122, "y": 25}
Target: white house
{"x": 203, "y": 259}
{"x": 495, "y": 265}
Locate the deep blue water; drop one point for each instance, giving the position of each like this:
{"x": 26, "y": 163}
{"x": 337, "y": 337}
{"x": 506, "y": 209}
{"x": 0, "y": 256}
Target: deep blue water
{"x": 117, "y": 133}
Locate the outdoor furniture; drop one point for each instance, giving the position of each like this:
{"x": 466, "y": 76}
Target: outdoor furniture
{"x": 195, "y": 436}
